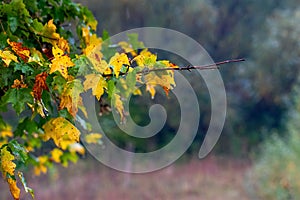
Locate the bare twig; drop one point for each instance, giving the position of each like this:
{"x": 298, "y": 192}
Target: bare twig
{"x": 202, "y": 67}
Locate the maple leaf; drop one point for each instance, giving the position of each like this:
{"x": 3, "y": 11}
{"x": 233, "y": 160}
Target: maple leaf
{"x": 49, "y": 33}
{"x": 8, "y": 167}
{"x": 50, "y": 36}
{"x": 21, "y": 51}
{"x": 39, "y": 85}
{"x": 93, "y": 51}
{"x": 41, "y": 166}
{"x": 63, "y": 132}
{"x": 118, "y": 104}
{"x": 14, "y": 190}
{"x": 19, "y": 84}
{"x": 56, "y": 154}
{"x": 36, "y": 56}
{"x": 6, "y": 132}
{"x": 71, "y": 98}
{"x": 145, "y": 58}
{"x": 60, "y": 62}
{"x": 166, "y": 81}
{"x": 7, "y": 57}
{"x": 97, "y": 83}
{"x": 118, "y": 61}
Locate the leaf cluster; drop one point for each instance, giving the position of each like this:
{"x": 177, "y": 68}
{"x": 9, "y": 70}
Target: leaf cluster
{"x": 46, "y": 65}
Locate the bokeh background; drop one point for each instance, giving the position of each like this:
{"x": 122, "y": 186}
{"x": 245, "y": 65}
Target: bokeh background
{"x": 258, "y": 154}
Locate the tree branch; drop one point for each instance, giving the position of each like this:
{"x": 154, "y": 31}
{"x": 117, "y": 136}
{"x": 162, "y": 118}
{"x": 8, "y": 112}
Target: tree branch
{"x": 202, "y": 67}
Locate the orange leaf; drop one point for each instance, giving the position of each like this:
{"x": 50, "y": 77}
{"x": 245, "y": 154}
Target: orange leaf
{"x": 21, "y": 51}
{"x": 39, "y": 85}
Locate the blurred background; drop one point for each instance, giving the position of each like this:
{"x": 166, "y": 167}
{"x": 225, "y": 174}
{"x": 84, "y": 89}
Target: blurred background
{"x": 258, "y": 154}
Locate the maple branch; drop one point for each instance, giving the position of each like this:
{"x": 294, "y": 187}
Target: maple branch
{"x": 189, "y": 67}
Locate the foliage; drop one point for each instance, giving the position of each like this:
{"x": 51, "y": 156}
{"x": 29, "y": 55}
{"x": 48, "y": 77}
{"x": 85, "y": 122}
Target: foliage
{"x": 46, "y": 65}
{"x": 276, "y": 172}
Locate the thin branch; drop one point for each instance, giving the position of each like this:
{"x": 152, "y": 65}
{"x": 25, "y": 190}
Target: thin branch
{"x": 202, "y": 67}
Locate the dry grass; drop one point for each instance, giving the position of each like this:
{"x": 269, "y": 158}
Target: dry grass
{"x": 212, "y": 178}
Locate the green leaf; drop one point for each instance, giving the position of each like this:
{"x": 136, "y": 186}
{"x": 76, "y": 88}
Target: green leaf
{"x": 133, "y": 39}
{"x": 27, "y": 125}
{"x": 110, "y": 88}
{"x": 18, "y": 98}
{"x": 24, "y": 68}
{"x": 58, "y": 82}
{"x": 13, "y": 23}
{"x": 18, "y": 151}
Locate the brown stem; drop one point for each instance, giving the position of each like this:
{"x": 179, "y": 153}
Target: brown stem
{"x": 202, "y": 67}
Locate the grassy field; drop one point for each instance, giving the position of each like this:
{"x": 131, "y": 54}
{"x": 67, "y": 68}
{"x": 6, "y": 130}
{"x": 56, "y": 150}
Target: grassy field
{"x": 213, "y": 178}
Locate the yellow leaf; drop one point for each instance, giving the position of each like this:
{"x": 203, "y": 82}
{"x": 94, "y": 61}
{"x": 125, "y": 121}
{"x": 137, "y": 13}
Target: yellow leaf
{"x": 145, "y": 58}
{"x": 117, "y": 61}
{"x": 93, "y": 138}
{"x": 117, "y": 103}
{"x": 36, "y": 56}
{"x": 14, "y": 190}
{"x": 60, "y": 62}
{"x": 8, "y": 167}
{"x": 61, "y": 131}
{"x": 97, "y": 83}
{"x": 6, "y": 132}
{"x": 127, "y": 48}
{"x": 20, "y": 50}
{"x": 150, "y": 88}
{"x": 93, "y": 44}
{"x": 71, "y": 98}
{"x": 86, "y": 34}
{"x": 6, "y": 162}
{"x": 7, "y": 57}
{"x": 41, "y": 167}
{"x": 166, "y": 81}
{"x": 55, "y": 155}
{"x": 76, "y": 147}
{"x": 49, "y": 33}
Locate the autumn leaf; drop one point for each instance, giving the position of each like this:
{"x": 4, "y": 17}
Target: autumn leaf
{"x": 39, "y": 85}
{"x": 93, "y": 51}
{"x": 71, "y": 98}
{"x": 60, "y": 62}
{"x": 61, "y": 131}
{"x": 8, "y": 169}
{"x": 6, "y": 132}
{"x": 97, "y": 83}
{"x": 165, "y": 81}
{"x": 7, "y": 166}
{"x": 51, "y": 36}
{"x": 19, "y": 84}
{"x": 36, "y": 56}
{"x": 92, "y": 138}
{"x": 20, "y": 50}
{"x": 145, "y": 58}
{"x": 41, "y": 165}
{"x": 56, "y": 154}
{"x": 49, "y": 33}
{"x": 127, "y": 48}
{"x": 7, "y": 57}
{"x": 118, "y": 61}
{"x": 93, "y": 43}
{"x": 118, "y": 104}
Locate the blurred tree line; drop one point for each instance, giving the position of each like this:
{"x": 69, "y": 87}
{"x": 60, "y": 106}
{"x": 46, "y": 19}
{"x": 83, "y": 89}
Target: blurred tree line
{"x": 266, "y": 33}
